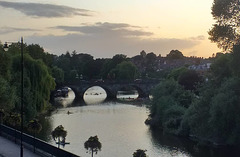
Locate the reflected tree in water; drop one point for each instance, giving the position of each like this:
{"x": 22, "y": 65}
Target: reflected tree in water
{"x": 140, "y": 153}
{"x": 93, "y": 145}
{"x": 59, "y": 134}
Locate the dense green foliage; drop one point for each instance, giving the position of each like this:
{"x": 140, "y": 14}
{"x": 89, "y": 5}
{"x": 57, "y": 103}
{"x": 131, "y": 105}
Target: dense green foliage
{"x": 75, "y": 65}
{"x": 170, "y": 101}
{"x": 212, "y": 113}
{"x": 83, "y": 66}
{"x": 37, "y": 80}
{"x": 110, "y": 64}
{"x": 37, "y": 84}
{"x": 58, "y": 74}
{"x": 189, "y": 79}
{"x": 125, "y": 71}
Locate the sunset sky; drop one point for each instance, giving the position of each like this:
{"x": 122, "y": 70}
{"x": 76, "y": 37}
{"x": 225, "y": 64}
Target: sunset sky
{"x": 104, "y": 28}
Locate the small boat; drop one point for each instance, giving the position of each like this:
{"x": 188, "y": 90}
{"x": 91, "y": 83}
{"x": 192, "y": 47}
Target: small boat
{"x": 68, "y": 112}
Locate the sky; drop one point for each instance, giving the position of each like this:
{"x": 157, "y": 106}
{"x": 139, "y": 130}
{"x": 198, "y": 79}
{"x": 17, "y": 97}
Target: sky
{"x": 104, "y": 28}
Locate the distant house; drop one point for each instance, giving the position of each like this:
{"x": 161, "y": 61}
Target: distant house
{"x": 201, "y": 68}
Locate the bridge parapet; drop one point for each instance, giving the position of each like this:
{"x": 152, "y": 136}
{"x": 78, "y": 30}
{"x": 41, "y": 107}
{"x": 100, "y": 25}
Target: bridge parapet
{"x": 112, "y": 87}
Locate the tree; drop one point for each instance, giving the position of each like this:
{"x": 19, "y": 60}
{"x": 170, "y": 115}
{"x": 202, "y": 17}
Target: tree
{"x": 175, "y": 54}
{"x": 221, "y": 68}
{"x": 150, "y": 62}
{"x": 5, "y": 66}
{"x": 226, "y": 30}
{"x": 8, "y": 96}
{"x": 176, "y": 73}
{"x": 93, "y": 145}
{"x": 58, "y": 74}
{"x": 60, "y": 134}
{"x": 150, "y": 57}
{"x": 189, "y": 79}
{"x": 169, "y": 103}
{"x": 214, "y": 115}
{"x": 125, "y": 71}
{"x": 140, "y": 153}
{"x": 92, "y": 69}
{"x": 235, "y": 60}
{"x": 37, "y": 52}
{"x": 38, "y": 84}
{"x": 34, "y": 127}
{"x": 110, "y": 64}
{"x": 143, "y": 53}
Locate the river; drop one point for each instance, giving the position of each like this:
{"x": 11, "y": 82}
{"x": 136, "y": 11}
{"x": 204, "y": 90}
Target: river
{"x": 120, "y": 128}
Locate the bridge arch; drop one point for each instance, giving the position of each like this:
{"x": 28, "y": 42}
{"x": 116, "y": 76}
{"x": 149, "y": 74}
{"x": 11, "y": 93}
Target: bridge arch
{"x": 111, "y": 87}
{"x": 141, "y": 93}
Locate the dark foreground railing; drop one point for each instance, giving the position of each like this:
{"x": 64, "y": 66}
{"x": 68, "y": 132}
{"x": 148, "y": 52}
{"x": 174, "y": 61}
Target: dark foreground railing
{"x": 42, "y": 147}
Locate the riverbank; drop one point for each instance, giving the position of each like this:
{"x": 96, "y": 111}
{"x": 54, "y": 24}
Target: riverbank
{"x": 153, "y": 123}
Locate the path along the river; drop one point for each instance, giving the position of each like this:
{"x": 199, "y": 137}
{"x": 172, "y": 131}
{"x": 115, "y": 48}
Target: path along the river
{"x": 10, "y": 149}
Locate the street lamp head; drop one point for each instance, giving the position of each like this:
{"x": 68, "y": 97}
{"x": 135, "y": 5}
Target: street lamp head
{"x": 5, "y": 46}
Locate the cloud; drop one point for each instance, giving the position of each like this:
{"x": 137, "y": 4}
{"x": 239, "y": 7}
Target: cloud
{"x": 104, "y": 40}
{"x": 200, "y": 37}
{"x": 45, "y": 10}
{"x": 6, "y": 30}
{"x": 106, "y": 29}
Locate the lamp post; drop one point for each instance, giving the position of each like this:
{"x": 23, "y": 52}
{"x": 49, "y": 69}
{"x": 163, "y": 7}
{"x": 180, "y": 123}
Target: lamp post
{"x": 5, "y": 47}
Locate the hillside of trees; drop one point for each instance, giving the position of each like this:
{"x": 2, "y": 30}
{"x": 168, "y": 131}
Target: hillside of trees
{"x": 204, "y": 108}
{"x": 43, "y": 71}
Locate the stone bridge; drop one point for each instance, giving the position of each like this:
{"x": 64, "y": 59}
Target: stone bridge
{"x": 112, "y": 87}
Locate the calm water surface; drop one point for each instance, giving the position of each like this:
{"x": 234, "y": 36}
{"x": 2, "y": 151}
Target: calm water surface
{"x": 120, "y": 128}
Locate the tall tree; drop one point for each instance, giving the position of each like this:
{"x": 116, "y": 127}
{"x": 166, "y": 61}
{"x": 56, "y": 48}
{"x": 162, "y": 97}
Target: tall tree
{"x": 226, "y": 31}
{"x": 38, "y": 84}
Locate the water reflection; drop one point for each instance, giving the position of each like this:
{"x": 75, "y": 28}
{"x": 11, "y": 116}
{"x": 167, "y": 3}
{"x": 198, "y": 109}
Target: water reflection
{"x": 65, "y": 101}
{"x": 94, "y": 95}
{"x": 127, "y": 95}
{"x": 121, "y": 130}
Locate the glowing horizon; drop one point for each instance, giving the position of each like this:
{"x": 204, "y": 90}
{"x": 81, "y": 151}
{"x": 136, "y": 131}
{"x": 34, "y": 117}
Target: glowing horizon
{"x": 108, "y": 27}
